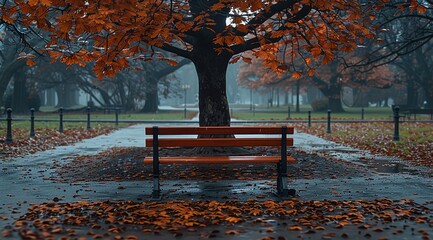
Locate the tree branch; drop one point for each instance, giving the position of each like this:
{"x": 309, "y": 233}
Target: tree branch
{"x": 322, "y": 85}
{"x": 278, "y": 7}
{"x": 170, "y": 69}
{"x": 175, "y": 50}
{"x": 261, "y": 18}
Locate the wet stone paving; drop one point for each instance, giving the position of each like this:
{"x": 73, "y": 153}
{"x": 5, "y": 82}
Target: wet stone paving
{"x": 100, "y": 189}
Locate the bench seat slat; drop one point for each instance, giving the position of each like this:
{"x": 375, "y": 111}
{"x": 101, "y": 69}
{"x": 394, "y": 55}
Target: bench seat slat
{"x": 218, "y": 142}
{"x": 219, "y": 130}
{"x": 218, "y": 159}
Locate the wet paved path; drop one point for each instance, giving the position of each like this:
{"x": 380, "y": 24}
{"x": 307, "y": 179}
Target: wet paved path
{"x": 25, "y": 180}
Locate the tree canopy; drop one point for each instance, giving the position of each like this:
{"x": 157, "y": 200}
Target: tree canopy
{"x": 112, "y": 32}
{"x": 208, "y": 32}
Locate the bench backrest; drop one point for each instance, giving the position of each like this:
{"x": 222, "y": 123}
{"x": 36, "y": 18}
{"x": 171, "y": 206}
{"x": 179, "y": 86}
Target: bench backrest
{"x": 219, "y": 142}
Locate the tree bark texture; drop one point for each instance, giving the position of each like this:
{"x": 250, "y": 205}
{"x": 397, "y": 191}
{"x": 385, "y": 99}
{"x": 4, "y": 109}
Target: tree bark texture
{"x": 332, "y": 91}
{"x": 67, "y": 95}
{"x": 298, "y": 83}
{"x": 213, "y": 105}
{"x": 412, "y": 95}
{"x": 6, "y": 73}
{"x": 20, "y": 102}
{"x": 152, "y": 99}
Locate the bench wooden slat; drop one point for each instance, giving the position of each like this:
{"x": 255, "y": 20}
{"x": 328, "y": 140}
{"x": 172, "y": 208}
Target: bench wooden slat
{"x": 218, "y": 142}
{"x": 218, "y": 130}
{"x": 218, "y": 159}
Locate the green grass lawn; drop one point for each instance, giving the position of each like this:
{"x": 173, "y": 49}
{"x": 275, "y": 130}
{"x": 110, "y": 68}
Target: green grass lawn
{"x": 111, "y": 116}
{"x": 83, "y": 116}
{"x": 25, "y": 125}
{"x": 415, "y": 145}
{"x": 237, "y": 111}
{"x": 281, "y": 113}
{"x": 261, "y": 113}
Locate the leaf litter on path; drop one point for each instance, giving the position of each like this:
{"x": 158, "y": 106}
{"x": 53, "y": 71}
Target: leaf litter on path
{"x": 45, "y": 139}
{"x": 179, "y": 218}
{"x": 126, "y": 163}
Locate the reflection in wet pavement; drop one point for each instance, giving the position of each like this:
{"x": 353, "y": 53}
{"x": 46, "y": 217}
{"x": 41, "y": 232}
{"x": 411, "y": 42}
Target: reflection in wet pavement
{"x": 27, "y": 180}
{"x": 379, "y": 163}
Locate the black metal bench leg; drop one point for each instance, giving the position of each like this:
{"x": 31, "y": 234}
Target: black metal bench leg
{"x": 156, "y": 191}
{"x": 284, "y": 190}
{"x": 282, "y": 187}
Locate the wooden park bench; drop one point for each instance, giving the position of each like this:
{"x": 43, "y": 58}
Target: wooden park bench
{"x": 169, "y": 140}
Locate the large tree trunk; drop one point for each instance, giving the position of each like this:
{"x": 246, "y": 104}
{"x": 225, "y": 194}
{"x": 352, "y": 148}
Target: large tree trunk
{"x": 412, "y": 93}
{"x": 332, "y": 91}
{"x": 106, "y": 99}
{"x": 271, "y": 98}
{"x": 67, "y": 95}
{"x": 335, "y": 105}
{"x": 20, "y": 96}
{"x": 429, "y": 94}
{"x": 6, "y": 73}
{"x": 152, "y": 96}
{"x": 423, "y": 75}
{"x": 151, "y": 104}
{"x": 334, "y": 99}
{"x": 334, "y": 95}
{"x": 213, "y": 105}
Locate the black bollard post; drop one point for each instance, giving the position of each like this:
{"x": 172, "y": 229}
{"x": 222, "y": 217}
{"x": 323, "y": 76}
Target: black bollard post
{"x": 362, "y": 114}
{"x": 32, "y": 122}
{"x": 254, "y": 110}
{"x": 9, "y": 126}
{"x": 288, "y": 112}
{"x": 88, "y": 118}
{"x": 309, "y": 119}
{"x": 61, "y": 120}
{"x": 328, "y": 130}
{"x": 396, "y": 122}
{"x": 117, "y": 117}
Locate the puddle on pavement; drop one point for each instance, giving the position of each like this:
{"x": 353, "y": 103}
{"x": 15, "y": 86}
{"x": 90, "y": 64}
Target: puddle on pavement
{"x": 392, "y": 166}
{"x": 381, "y": 164}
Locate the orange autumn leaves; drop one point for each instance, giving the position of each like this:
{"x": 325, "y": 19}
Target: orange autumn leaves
{"x": 81, "y": 33}
{"x": 117, "y": 217}
{"x": 111, "y": 34}
{"x": 415, "y": 145}
{"x": 44, "y": 139}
